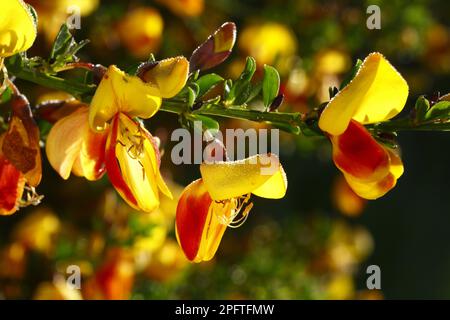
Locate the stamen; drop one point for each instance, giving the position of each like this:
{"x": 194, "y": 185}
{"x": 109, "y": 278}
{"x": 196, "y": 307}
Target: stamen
{"x": 239, "y": 208}
{"x": 31, "y": 197}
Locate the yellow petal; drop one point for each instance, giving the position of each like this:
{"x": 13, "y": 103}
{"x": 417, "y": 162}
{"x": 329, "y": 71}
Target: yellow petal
{"x": 275, "y": 187}
{"x": 226, "y": 180}
{"x": 17, "y": 28}
{"x": 371, "y": 190}
{"x": 396, "y": 164}
{"x": 137, "y": 158}
{"x": 169, "y": 75}
{"x": 119, "y": 92}
{"x": 377, "y": 93}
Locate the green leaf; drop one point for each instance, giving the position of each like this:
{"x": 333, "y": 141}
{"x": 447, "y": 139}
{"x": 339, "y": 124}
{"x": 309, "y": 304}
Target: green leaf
{"x": 6, "y": 95}
{"x": 191, "y": 96}
{"x": 240, "y": 90}
{"x": 249, "y": 69}
{"x": 352, "y": 74}
{"x": 207, "y": 82}
{"x": 422, "y": 106}
{"x": 62, "y": 41}
{"x": 439, "y": 111}
{"x": 270, "y": 85}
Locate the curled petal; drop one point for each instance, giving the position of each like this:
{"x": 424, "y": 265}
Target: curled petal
{"x": 169, "y": 75}
{"x": 72, "y": 147}
{"x": 12, "y": 183}
{"x": 377, "y": 93}
{"x": 262, "y": 175}
{"x": 132, "y": 163}
{"x": 17, "y": 27}
{"x": 200, "y": 222}
{"x": 379, "y": 184}
{"x": 119, "y": 92}
{"x": 357, "y": 153}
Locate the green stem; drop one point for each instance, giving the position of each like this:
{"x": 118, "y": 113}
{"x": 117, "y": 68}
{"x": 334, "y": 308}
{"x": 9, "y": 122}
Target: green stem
{"x": 405, "y": 124}
{"x": 290, "y": 122}
{"x": 78, "y": 90}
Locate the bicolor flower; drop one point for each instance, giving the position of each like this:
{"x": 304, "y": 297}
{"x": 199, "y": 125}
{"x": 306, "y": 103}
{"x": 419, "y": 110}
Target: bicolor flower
{"x": 17, "y": 28}
{"x": 20, "y": 157}
{"x": 107, "y": 137}
{"x": 221, "y": 199}
{"x": 377, "y": 93}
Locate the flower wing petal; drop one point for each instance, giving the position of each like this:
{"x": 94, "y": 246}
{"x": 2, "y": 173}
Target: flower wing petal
{"x": 229, "y": 179}
{"x": 377, "y": 93}
{"x": 17, "y": 27}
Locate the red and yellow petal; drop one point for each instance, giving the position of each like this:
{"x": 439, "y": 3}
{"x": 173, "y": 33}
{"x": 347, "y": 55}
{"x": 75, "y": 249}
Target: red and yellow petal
{"x": 357, "y": 153}
{"x": 169, "y": 75}
{"x": 372, "y": 190}
{"x": 199, "y": 227}
{"x": 72, "y": 147}
{"x": 132, "y": 163}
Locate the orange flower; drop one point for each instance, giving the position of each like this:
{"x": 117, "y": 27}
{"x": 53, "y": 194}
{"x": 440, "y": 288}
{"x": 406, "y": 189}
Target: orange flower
{"x": 107, "y": 137}
{"x": 114, "y": 279}
{"x": 140, "y": 31}
{"x": 20, "y": 157}
{"x": 221, "y": 199}
{"x": 377, "y": 93}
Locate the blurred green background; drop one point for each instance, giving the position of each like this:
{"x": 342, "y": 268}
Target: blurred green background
{"x": 317, "y": 242}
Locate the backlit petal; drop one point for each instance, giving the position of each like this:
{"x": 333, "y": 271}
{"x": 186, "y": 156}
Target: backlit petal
{"x": 119, "y": 92}
{"x": 169, "y": 75}
{"x": 133, "y": 169}
{"x": 72, "y": 146}
{"x": 17, "y": 27}
{"x": 201, "y": 222}
{"x": 230, "y": 179}
{"x": 377, "y": 93}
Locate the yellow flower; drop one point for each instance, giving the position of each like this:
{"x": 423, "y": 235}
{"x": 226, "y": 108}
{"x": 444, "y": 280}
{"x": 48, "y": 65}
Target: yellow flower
{"x": 269, "y": 43}
{"x": 140, "y": 31}
{"x": 53, "y": 13}
{"x": 132, "y": 156}
{"x": 17, "y": 28}
{"x": 188, "y": 8}
{"x": 377, "y": 93}
{"x": 56, "y": 290}
{"x": 221, "y": 199}
{"x": 38, "y": 230}
{"x": 166, "y": 263}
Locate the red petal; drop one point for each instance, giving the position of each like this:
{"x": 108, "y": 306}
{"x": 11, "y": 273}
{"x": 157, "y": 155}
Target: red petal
{"x": 11, "y": 187}
{"x": 192, "y": 212}
{"x": 112, "y": 165}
